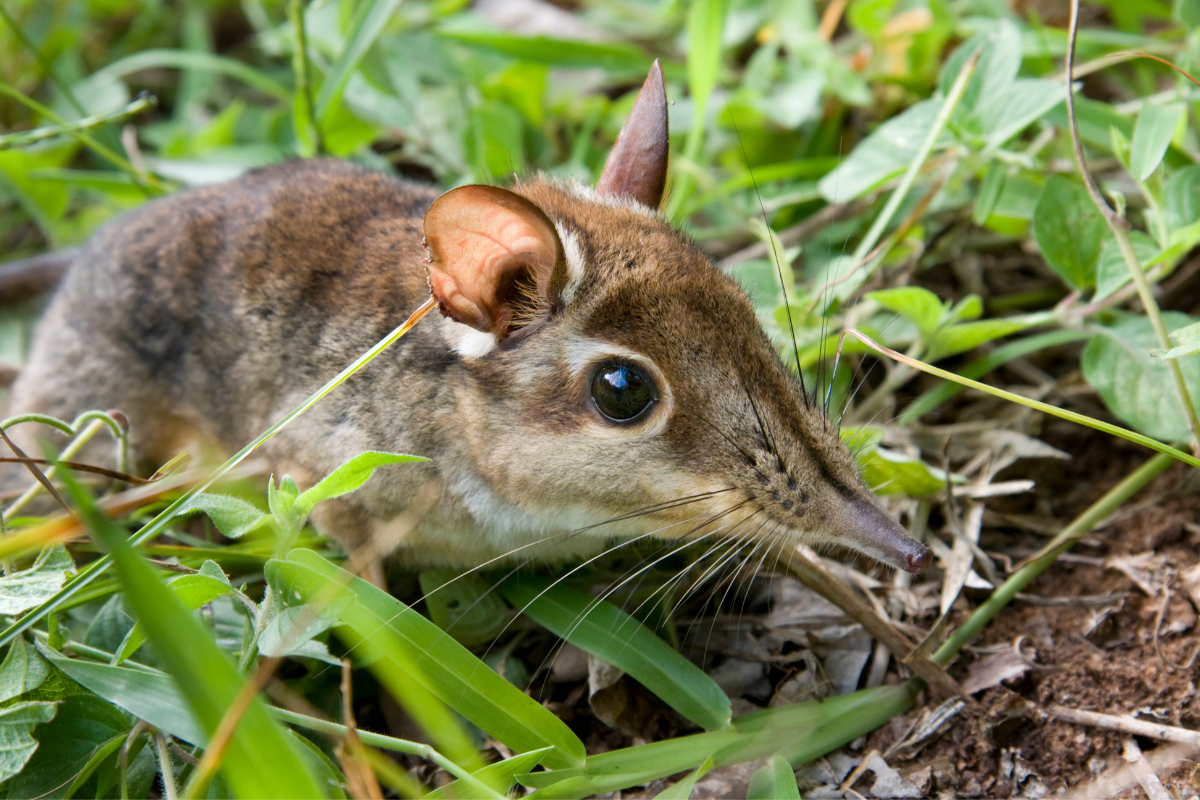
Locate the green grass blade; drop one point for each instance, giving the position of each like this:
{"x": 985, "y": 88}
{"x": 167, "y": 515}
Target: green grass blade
{"x": 204, "y": 673}
{"x": 705, "y": 23}
{"x": 798, "y": 733}
{"x": 196, "y": 60}
{"x": 368, "y": 23}
{"x": 448, "y": 669}
{"x": 607, "y": 632}
{"x": 613, "y": 57}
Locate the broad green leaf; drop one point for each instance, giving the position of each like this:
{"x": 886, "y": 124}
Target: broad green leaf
{"x": 920, "y": 305}
{"x": 147, "y": 694}
{"x": 954, "y": 339}
{"x": 494, "y": 140}
{"x": 1188, "y": 338}
{"x": 889, "y": 472}
{"x": 607, "y": 632}
{"x": 882, "y": 156}
{"x": 774, "y": 781}
{"x": 1151, "y": 137}
{"x": 1187, "y": 12}
{"x": 233, "y": 516}
{"x": 682, "y": 789}
{"x": 1181, "y": 198}
{"x": 999, "y": 48}
{"x": 1015, "y": 108}
{"x": 502, "y": 774}
{"x": 23, "y": 590}
{"x": 348, "y": 477}
{"x": 1111, "y": 270}
{"x": 17, "y": 744}
{"x": 1069, "y": 231}
{"x": 193, "y": 591}
{"x": 613, "y": 56}
{"x": 23, "y": 671}
{"x": 465, "y": 606}
{"x": 83, "y": 724}
{"x": 370, "y": 18}
{"x": 205, "y": 674}
{"x": 439, "y": 663}
{"x": 1137, "y": 387}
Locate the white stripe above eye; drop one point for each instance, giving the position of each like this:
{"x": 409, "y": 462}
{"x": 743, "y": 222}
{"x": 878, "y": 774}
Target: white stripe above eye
{"x": 575, "y": 266}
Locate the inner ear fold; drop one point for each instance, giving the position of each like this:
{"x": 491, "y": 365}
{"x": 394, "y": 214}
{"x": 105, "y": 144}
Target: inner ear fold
{"x": 494, "y": 259}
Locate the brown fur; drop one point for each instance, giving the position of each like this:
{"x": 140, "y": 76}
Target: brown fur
{"x": 213, "y": 312}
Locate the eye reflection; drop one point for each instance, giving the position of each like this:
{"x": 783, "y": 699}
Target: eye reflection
{"x": 621, "y": 391}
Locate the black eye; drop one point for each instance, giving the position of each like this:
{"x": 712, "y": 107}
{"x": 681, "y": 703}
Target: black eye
{"x": 622, "y": 392}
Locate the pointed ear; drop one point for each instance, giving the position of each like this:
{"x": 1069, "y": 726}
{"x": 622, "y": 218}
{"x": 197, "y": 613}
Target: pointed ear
{"x": 494, "y": 259}
{"x": 637, "y": 166}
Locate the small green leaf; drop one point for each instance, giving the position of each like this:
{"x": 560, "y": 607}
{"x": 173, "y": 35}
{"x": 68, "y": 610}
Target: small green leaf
{"x": 67, "y": 743}
{"x": 23, "y": 590}
{"x": 775, "y": 781}
{"x": 989, "y": 192}
{"x": 464, "y": 606}
{"x": 682, "y": 789}
{"x": 1069, "y": 231}
{"x": 920, "y": 305}
{"x": 889, "y": 472}
{"x": 1151, "y": 137}
{"x": 17, "y": 744}
{"x": 213, "y": 570}
{"x": 295, "y": 626}
{"x": 193, "y": 591}
{"x": 23, "y": 671}
{"x": 607, "y": 632}
{"x": 1189, "y": 343}
{"x": 348, "y": 477}
{"x": 233, "y": 516}
{"x": 1137, "y": 387}
{"x": 502, "y": 774}
{"x": 954, "y": 339}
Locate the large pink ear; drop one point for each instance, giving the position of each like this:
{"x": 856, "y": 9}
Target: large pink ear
{"x": 492, "y": 258}
{"x": 637, "y": 166}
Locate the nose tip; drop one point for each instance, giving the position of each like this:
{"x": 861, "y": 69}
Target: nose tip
{"x": 917, "y": 560}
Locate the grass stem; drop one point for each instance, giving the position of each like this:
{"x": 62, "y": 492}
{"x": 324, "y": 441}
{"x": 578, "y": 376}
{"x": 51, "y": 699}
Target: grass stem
{"x": 1080, "y": 526}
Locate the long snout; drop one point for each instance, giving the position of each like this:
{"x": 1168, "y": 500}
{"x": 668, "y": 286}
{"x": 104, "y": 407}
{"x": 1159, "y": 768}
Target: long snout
{"x": 870, "y": 531}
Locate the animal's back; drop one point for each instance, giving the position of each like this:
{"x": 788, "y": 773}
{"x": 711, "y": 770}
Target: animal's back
{"x": 212, "y": 311}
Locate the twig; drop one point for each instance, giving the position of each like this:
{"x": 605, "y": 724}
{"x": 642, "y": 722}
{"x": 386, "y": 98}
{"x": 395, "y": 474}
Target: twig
{"x": 807, "y": 568}
{"x": 78, "y": 467}
{"x": 1079, "y": 527}
{"x": 164, "y": 765}
{"x": 360, "y": 779}
{"x": 1125, "y": 724}
{"x": 37, "y": 473}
